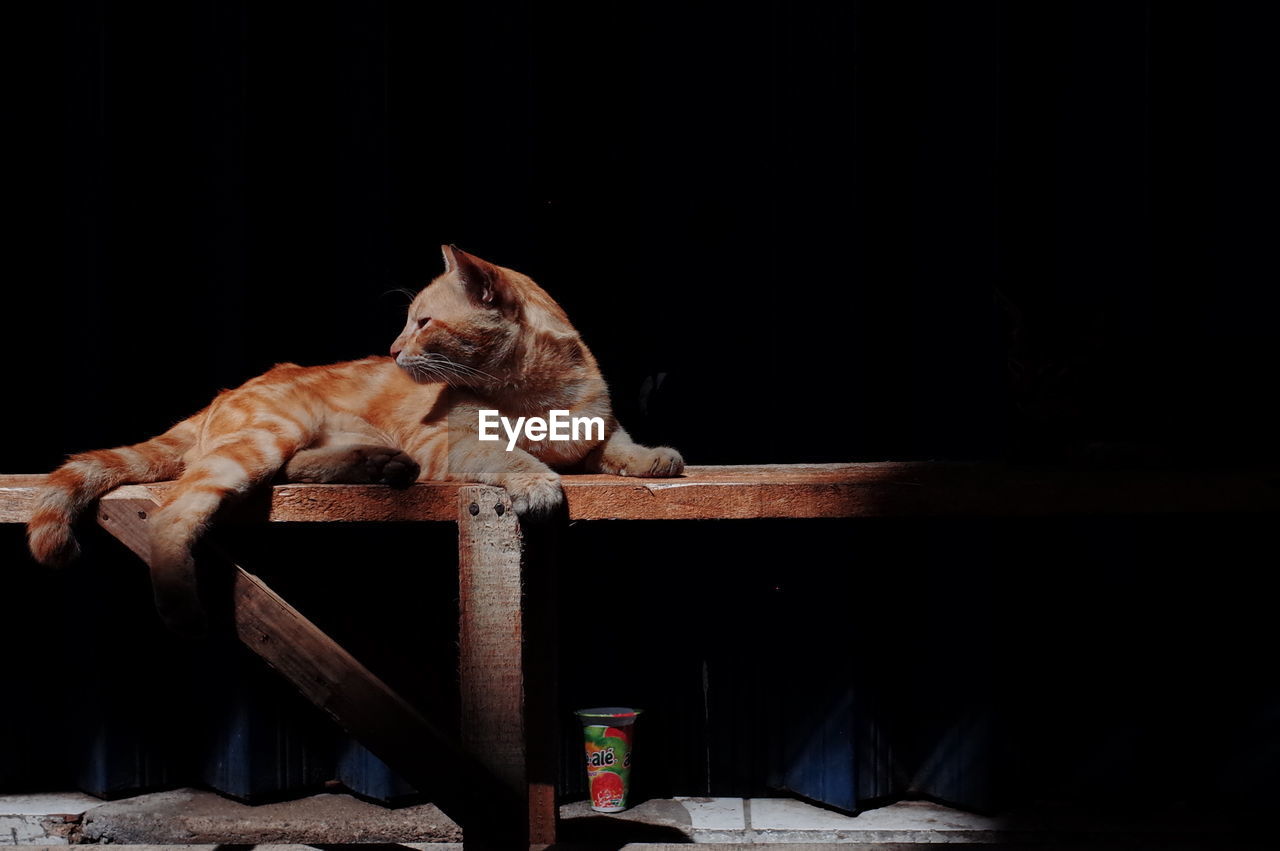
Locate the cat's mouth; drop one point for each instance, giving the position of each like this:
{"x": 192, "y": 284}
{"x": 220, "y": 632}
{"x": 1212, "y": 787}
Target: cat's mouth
{"x": 435, "y": 368}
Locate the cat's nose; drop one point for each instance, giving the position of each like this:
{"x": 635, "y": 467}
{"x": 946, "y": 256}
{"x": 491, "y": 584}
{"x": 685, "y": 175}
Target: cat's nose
{"x": 396, "y": 349}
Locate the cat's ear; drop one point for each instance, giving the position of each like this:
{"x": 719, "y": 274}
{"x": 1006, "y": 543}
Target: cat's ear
{"x": 481, "y": 279}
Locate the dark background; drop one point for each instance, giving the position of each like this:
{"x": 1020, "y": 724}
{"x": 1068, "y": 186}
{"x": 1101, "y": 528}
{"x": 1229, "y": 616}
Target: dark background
{"x": 805, "y": 216}
{"x": 1040, "y": 232}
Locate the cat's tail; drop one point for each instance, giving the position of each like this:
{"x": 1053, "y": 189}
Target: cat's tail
{"x": 85, "y": 477}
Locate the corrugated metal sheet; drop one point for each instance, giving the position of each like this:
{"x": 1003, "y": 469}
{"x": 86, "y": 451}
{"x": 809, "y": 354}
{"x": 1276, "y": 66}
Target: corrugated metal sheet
{"x": 370, "y": 778}
{"x": 129, "y": 712}
{"x": 971, "y": 662}
{"x": 260, "y": 741}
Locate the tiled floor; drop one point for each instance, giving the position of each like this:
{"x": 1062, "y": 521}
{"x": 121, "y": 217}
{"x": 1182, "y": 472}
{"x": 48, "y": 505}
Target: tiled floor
{"x": 909, "y": 823}
{"x": 787, "y": 820}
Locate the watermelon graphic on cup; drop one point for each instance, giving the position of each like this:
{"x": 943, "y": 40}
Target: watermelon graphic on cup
{"x": 607, "y": 735}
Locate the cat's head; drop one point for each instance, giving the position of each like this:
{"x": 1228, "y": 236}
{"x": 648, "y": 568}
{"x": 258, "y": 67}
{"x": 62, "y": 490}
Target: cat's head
{"x": 471, "y": 324}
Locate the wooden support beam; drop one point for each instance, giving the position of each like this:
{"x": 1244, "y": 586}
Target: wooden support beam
{"x": 881, "y": 489}
{"x": 330, "y": 677}
{"x": 507, "y": 660}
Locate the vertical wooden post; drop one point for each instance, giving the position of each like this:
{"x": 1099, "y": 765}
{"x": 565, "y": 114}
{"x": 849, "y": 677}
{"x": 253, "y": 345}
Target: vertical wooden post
{"x": 507, "y": 667}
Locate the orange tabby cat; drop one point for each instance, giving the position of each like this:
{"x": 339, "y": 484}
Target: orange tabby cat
{"x": 479, "y": 336}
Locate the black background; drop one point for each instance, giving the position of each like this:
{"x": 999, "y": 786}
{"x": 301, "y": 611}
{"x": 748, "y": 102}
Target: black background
{"x": 799, "y": 214}
{"x": 837, "y": 231}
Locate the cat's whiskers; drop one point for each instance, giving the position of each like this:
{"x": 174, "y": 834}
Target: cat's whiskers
{"x": 404, "y": 291}
{"x": 419, "y": 369}
{"x": 461, "y": 370}
{"x": 432, "y": 367}
{"x": 431, "y": 372}
{"x": 467, "y": 372}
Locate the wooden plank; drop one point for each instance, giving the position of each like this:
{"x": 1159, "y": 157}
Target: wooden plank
{"x": 892, "y": 489}
{"x": 17, "y": 493}
{"x": 328, "y": 676}
{"x": 883, "y": 489}
{"x": 506, "y": 659}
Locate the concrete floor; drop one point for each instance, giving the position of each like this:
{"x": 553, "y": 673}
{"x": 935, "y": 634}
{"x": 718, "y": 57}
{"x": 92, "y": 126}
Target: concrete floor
{"x": 188, "y": 817}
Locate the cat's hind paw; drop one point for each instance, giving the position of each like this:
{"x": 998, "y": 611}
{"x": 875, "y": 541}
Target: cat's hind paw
{"x": 388, "y": 466}
{"x": 353, "y": 465}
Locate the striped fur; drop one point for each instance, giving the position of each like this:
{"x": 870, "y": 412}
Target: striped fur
{"x": 480, "y": 336}
{"x": 87, "y": 476}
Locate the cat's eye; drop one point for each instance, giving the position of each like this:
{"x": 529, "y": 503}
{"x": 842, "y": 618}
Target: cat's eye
{"x": 422, "y": 323}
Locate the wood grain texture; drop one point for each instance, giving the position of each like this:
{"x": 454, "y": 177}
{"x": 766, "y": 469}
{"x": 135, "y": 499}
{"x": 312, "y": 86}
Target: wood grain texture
{"x": 492, "y": 668}
{"x": 17, "y": 493}
{"x": 125, "y": 518}
{"x": 882, "y": 489}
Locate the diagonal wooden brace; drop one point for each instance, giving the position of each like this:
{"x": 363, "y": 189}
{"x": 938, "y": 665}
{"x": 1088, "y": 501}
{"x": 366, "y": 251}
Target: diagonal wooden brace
{"x": 336, "y": 682}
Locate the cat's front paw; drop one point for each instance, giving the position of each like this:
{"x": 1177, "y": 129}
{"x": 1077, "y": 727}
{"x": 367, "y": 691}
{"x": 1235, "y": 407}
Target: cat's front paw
{"x": 665, "y": 462}
{"x": 535, "y": 496}
{"x": 656, "y": 462}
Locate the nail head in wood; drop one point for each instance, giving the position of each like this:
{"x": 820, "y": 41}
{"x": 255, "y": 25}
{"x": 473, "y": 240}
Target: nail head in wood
{"x": 142, "y": 515}
{"x": 499, "y": 508}
{"x": 474, "y": 509}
